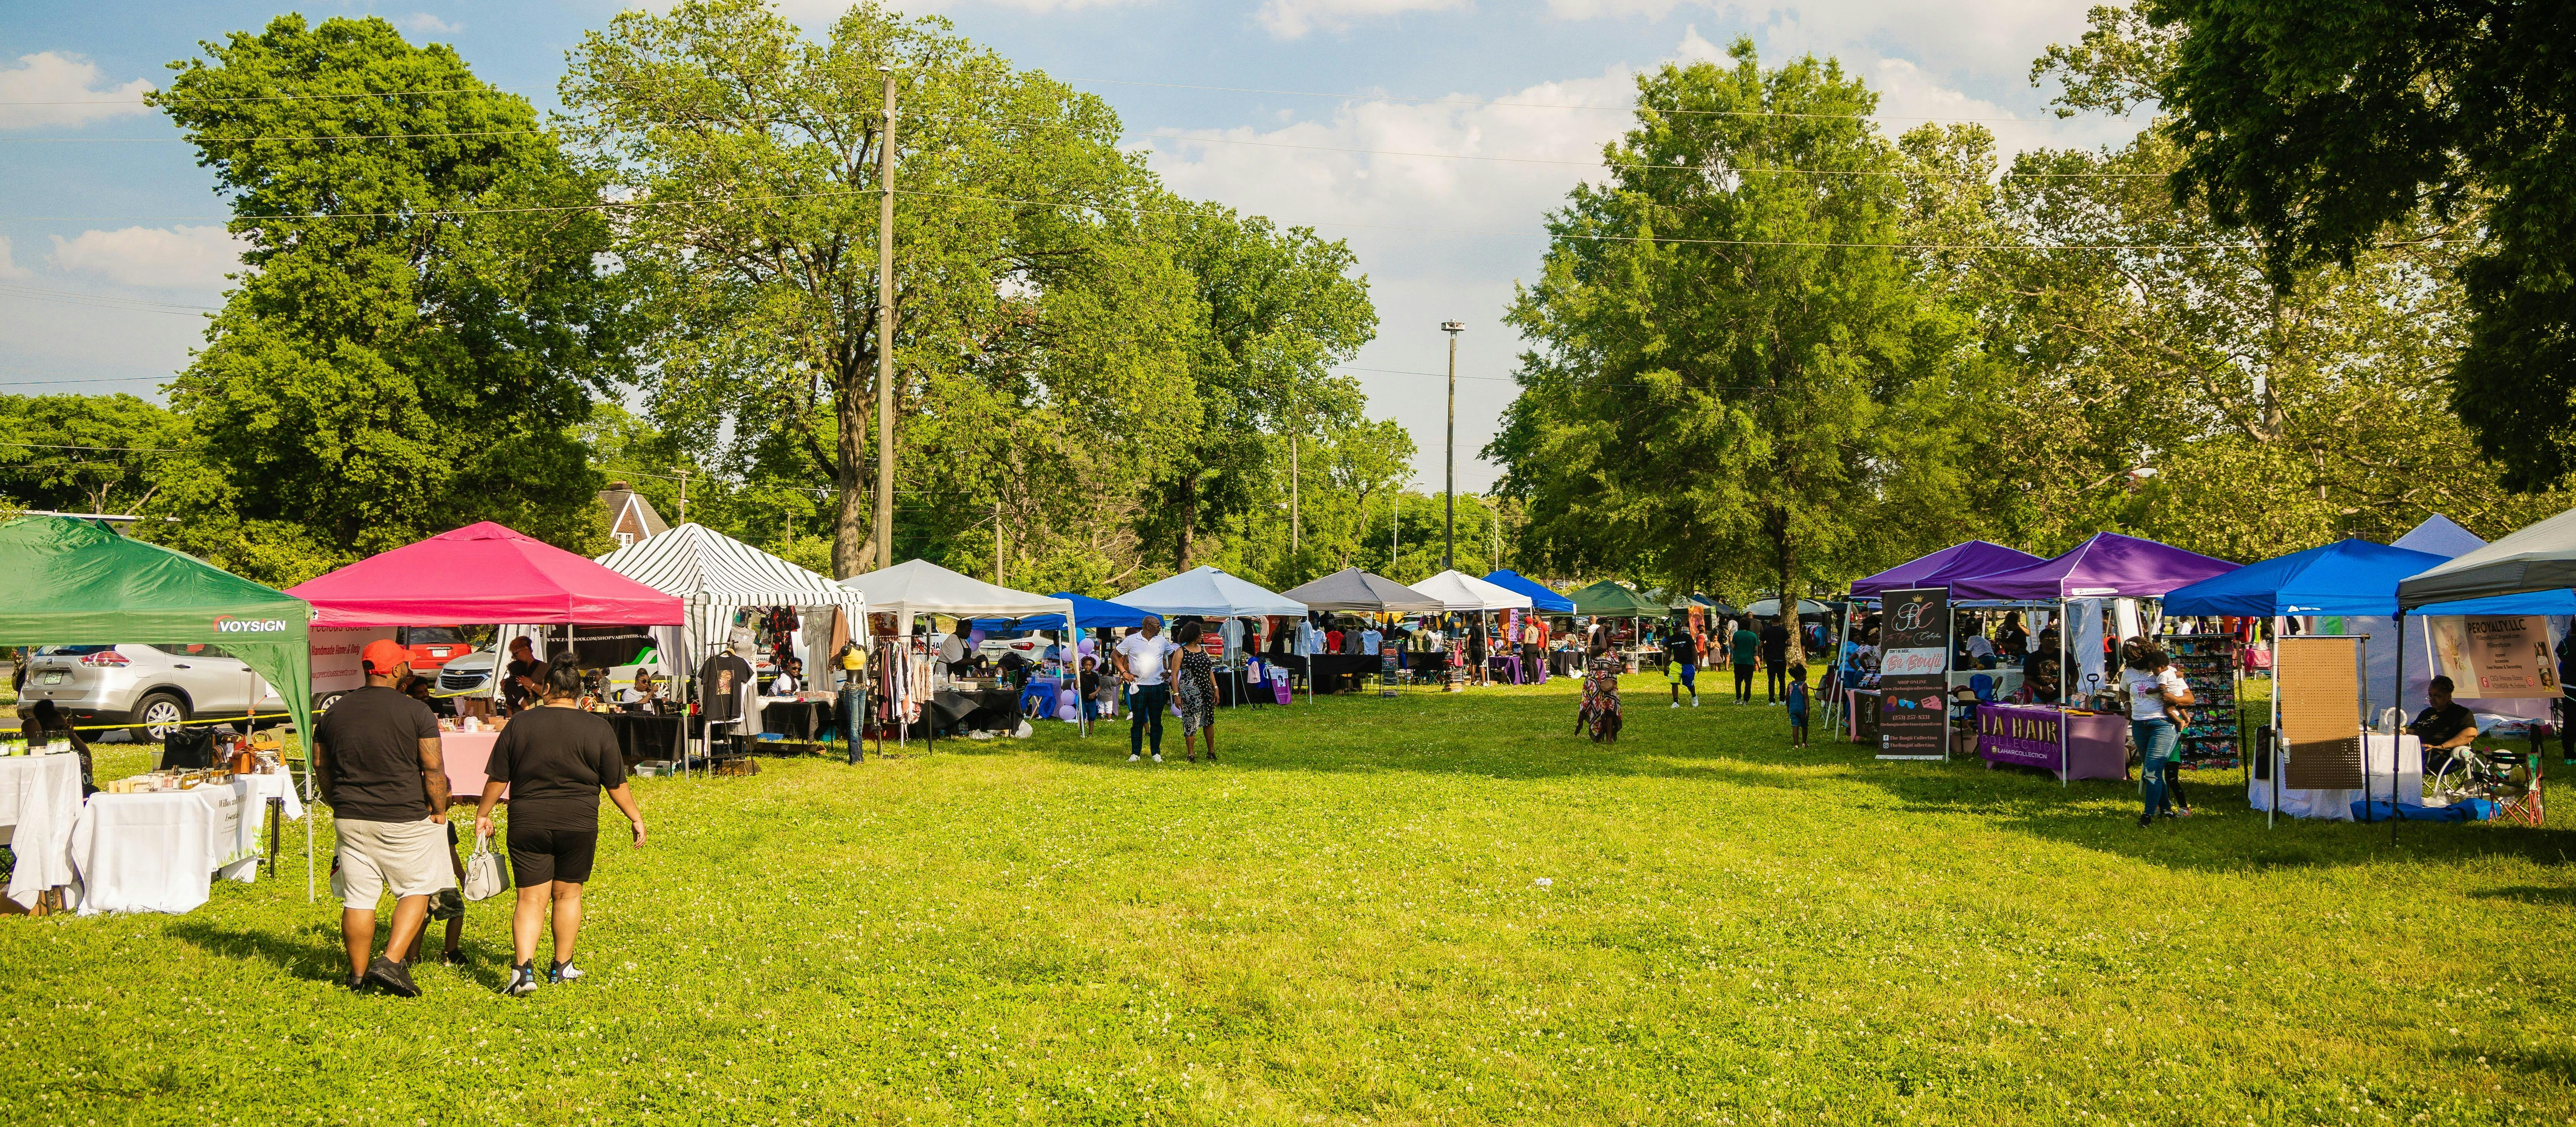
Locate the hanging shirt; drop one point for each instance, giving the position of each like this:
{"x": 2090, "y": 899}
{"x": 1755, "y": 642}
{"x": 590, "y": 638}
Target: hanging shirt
{"x": 720, "y": 683}
{"x": 1370, "y": 640}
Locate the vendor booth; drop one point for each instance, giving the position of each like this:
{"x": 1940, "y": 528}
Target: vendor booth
{"x": 1045, "y": 695}
{"x": 1506, "y": 611}
{"x": 1542, "y": 599}
{"x": 1353, "y": 591}
{"x": 2502, "y": 596}
{"x": 481, "y": 574}
{"x": 719, "y": 579}
{"x": 912, "y": 684}
{"x": 1212, "y": 593}
{"x": 1612, "y": 600}
{"x": 1939, "y": 569}
{"x": 78, "y": 582}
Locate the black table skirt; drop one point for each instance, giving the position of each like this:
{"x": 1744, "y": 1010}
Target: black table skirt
{"x": 1335, "y": 673}
{"x": 797, "y": 719}
{"x": 983, "y": 710}
{"x": 643, "y": 739}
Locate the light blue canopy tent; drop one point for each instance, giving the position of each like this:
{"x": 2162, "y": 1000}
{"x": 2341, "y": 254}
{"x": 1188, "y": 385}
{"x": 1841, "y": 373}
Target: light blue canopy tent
{"x": 1090, "y": 612}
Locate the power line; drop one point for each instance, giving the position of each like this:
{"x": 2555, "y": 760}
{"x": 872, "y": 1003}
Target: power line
{"x": 102, "y": 301}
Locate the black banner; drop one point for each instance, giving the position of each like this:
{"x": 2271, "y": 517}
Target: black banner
{"x": 1914, "y": 674}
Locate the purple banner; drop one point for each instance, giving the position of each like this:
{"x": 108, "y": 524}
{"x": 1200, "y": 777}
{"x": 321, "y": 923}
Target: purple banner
{"x": 2027, "y": 736}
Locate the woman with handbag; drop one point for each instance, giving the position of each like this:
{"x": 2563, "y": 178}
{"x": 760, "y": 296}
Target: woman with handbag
{"x": 554, "y": 760}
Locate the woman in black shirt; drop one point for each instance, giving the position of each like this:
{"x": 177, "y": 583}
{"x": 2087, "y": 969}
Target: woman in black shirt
{"x": 554, "y": 759}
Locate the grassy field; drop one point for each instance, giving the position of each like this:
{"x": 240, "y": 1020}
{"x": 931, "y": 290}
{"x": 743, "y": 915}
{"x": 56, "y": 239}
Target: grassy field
{"x": 1437, "y": 909}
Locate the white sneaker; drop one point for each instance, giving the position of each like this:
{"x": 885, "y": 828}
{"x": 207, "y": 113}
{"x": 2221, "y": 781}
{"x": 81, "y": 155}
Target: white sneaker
{"x": 1158, "y": 757}
{"x": 1677, "y": 704}
{"x": 1694, "y": 702}
{"x": 1132, "y": 757}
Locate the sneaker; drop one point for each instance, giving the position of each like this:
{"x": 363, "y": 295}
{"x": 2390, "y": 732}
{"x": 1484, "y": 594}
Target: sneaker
{"x": 2146, "y": 820}
{"x": 357, "y": 983}
{"x": 1211, "y": 755}
{"x": 1132, "y": 757}
{"x": 1158, "y": 757}
{"x": 1677, "y": 704}
{"x": 563, "y": 972}
{"x": 1694, "y": 702}
{"x": 392, "y": 977}
{"x": 523, "y": 980}
{"x": 452, "y": 958}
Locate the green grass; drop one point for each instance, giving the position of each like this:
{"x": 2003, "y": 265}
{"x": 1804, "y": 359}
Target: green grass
{"x": 1343, "y": 924}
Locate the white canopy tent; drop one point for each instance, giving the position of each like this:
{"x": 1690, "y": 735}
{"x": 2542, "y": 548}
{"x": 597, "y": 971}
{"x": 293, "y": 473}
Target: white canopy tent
{"x": 716, "y": 576}
{"x": 1209, "y": 593}
{"x": 1461, "y": 592}
{"x": 916, "y": 587}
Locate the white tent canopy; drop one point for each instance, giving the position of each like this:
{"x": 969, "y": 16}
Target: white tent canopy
{"x": 1459, "y": 591}
{"x": 916, "y": 587}
{"x": 716, "y": 576}
{"x": 1209, "y": 593}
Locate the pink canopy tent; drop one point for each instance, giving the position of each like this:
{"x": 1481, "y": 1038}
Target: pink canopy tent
{"x": 482, "y": 573}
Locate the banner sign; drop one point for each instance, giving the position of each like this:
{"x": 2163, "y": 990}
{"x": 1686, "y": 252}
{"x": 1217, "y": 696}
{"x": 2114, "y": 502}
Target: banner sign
{"x": 2499, "y": 657}
{"x": 2030, "y": 737}
{"x": 335, "y": 656}
{"x": 1914, "y": 674}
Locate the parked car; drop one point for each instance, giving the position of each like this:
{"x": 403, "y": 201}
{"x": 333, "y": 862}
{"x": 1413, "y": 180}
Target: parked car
{"x": 471, "y": 673}
{"x": 1031, "y": 648}
{"x": 152, "y": 688}
{"x": 432, "y": 646}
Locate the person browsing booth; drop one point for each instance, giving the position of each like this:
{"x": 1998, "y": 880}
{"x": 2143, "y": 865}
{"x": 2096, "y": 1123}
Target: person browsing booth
{"x": 376, "y": 762}
{"x": 554, "y": 759}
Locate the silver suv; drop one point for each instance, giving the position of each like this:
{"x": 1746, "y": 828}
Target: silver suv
{"x": 153, "y": 688}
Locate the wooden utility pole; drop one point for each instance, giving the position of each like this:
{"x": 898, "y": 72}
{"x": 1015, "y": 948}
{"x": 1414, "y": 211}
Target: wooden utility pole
{"x": 998, "y": 581}
{"x": 1292, "y": 467}
{"x": 885, "y": 335}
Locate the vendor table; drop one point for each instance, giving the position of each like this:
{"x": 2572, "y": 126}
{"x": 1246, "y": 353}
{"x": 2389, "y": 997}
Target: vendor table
{"x": 2068, "y": 745}
{"x": 2380, "y": 755}
{"x": 797, "y": 717}
{"x": 161, "y": 852}
{"x": 40, "y": 799}
{"x": 982, "y": 710}
{"x": 464, "y": 754}
{"x": 1334, "y": 673}
{"x": 643, "y": 738}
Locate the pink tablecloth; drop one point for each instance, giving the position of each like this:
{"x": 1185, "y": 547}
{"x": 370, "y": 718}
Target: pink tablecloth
{"x": 465, "y": 753}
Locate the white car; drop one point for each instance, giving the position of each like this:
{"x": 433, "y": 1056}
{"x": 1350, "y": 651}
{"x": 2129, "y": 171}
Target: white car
{"x": 153, "y": 688}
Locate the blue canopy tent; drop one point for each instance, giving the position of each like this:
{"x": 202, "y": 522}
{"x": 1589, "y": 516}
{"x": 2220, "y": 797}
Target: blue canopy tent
{"x": 2347, "y": 577}
{"x": 1542, "y": 599}
{"x": 1088, "y": 611}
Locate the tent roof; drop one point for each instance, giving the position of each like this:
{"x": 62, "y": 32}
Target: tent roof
{"x": 922, "y": 587}
{"x": 1613, "y": 598}
{"x": 1541, "y": 596}
{"x": 1770, "y": 608}
{"x": 1209, "y": 593}
{"x": 2347, "y": 577}
{"x": 1460, "y": 591}
{"x": 77, "y": 582}
{"x": 2539, "y": 558}
{"x": 2108, "y": 565}
{"x": 1360, "y": 592}
{"x": 1939, "y": 569}
{"x": 1091, "y": 613}
{"x": 2441, "y": 536}
{"x": 482, "y": 573}
{"x": 695, "y": 562}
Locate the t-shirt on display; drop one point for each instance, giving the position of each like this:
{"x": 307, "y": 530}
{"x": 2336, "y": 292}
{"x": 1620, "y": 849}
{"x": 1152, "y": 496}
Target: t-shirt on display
{"x": 372, "y": 740}
{"x": 720, "y": 683}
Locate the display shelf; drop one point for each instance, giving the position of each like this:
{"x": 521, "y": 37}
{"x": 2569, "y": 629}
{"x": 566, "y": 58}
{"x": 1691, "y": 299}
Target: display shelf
{"x": 2213, "y": 739}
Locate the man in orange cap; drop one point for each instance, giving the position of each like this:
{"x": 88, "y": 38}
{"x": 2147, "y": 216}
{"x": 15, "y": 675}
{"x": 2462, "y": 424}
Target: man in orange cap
{"x": 376, "y": 760}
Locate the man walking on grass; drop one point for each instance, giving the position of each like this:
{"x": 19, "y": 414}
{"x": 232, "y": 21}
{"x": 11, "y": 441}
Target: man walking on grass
{"x": 1683, "y": 654}
{"x": 1142, "y": 658}
{"x": 376, "y": 761}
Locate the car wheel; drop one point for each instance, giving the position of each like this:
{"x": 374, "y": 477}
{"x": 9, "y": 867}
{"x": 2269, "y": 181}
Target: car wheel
{"x": 324, "y": 704}
{"x": 157, "y": 715}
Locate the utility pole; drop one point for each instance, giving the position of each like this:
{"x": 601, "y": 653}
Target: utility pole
{"x": 684, "y": 494}
{"x": 1293, "y": 420}
{"x": 885, "y": 338}
{"x": 998, "y": 581}
{"x": 1394, "y": 524}
{"x": 1449, "y": 487}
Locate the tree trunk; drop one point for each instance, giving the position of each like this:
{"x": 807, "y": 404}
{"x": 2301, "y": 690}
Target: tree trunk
{"x": 1189, "y": 522}
{"x": 854, "y": 548}
{"x": 1785, "y": 551}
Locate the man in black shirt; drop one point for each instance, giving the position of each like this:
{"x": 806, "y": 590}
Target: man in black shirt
{"x": 1775, "y": 660}
{"x": 523, "y": 679}
{"x": 1683, "y": 652}
{"x": 2442, "y": 725}
{"x": 554, "y": 760}
{"x": 376, "y": 761}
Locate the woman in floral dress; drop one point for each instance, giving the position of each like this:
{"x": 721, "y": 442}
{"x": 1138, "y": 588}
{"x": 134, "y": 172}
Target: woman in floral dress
{"x": 1194, "y": 689}
{"x": 1600, "y": 714}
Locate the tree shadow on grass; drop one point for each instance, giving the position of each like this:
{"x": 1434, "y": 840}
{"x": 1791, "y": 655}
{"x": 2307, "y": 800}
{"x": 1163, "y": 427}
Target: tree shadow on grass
{"x": 2532, "y": 894}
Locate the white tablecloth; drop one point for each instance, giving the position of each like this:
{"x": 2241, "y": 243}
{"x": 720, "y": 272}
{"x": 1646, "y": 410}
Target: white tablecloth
{"x": 161, "y": 852}
{"x": 40, "y": 800}
{"x": 2405, "y": 754}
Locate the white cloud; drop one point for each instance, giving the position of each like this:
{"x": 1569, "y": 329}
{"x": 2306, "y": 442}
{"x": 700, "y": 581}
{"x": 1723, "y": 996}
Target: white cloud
{"x": 10, "y": 270}
{"x": 49, "y": 88}
{"x": 161, "y": 258}
{"x": 1291, "y": 19}
{"x": 423, "y": 23}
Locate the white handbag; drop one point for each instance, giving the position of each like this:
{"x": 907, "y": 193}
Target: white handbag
{"x": 485, "y": 878}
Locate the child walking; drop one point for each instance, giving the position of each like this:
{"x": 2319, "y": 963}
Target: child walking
{"x": 1797, "y": 706}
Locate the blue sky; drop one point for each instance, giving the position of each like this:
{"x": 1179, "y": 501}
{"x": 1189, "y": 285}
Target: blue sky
{"x": 116, "y": 208}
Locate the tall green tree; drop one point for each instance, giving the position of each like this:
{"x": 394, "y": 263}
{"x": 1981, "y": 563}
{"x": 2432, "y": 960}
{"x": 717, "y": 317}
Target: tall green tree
{"x": 1044, "y": 334}
{"x": 1728, "y": 345}
{"x": 422, "y": 315}
{"x": 2334, "y": 128}
{"x": 87, "y": 453}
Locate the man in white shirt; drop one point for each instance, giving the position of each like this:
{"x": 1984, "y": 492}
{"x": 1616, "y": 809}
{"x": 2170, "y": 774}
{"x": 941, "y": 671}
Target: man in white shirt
{"x": 1142, "y": 658}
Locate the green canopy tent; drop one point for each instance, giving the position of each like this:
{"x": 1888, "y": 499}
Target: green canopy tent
{"x": 78, "y": 583}
{"x": 1612, "y": 599}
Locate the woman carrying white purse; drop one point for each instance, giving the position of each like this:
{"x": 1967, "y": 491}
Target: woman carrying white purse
{"x": 554, "y": 760}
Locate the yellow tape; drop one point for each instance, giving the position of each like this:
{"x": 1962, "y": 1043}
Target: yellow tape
{"x": 201, "y": 721}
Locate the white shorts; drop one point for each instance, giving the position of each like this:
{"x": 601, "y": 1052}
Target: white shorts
{"x": 409, "y": 857}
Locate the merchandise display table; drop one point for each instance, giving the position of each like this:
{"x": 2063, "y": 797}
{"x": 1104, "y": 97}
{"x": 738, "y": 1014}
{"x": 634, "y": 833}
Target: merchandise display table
{"x": 1335, "y": 673}
{"x": 2404, "y": 755}
{"x": 161, "y": 852}
{"x": 40, "y": 799}
{"x": 644, "y": 738}
{"x": 796, "y": 717}
{"x": 464, "y": 754}
{"x": 2070, "y": 745}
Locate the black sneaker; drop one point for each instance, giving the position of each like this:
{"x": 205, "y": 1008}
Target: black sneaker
{"x": 2145, "y": 820}
{"x": 453, "y": 958}
{"x": 523, "y": 980}
{"x": 392, "y": 977}
{"x": 563, "y": 972}
{"x": 357, "y": 984}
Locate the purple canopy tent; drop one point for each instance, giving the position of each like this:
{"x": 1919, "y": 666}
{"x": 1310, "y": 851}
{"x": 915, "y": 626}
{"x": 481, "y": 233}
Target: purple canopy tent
{"x": 2107, "y": 566}
{"x": 1958, "y": 561}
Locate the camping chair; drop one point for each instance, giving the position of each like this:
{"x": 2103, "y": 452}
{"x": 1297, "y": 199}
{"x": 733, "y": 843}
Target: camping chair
{"x": 1983, "y": 685}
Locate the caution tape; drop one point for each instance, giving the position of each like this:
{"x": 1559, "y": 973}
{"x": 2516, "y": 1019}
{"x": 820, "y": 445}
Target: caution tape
{"x": 199, "y": 722}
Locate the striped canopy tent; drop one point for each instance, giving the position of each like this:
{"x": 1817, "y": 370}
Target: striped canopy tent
{"x": 716, "y": 576}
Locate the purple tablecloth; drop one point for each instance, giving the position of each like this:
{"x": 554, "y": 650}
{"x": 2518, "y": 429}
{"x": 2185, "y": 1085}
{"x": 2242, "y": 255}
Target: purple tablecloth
{"x": 2094, "y": 746}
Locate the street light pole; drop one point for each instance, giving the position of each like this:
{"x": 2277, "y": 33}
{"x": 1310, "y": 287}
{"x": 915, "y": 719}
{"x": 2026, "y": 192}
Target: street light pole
{"x": 1449, "y": 486}
{"x": 885, "y": 341}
